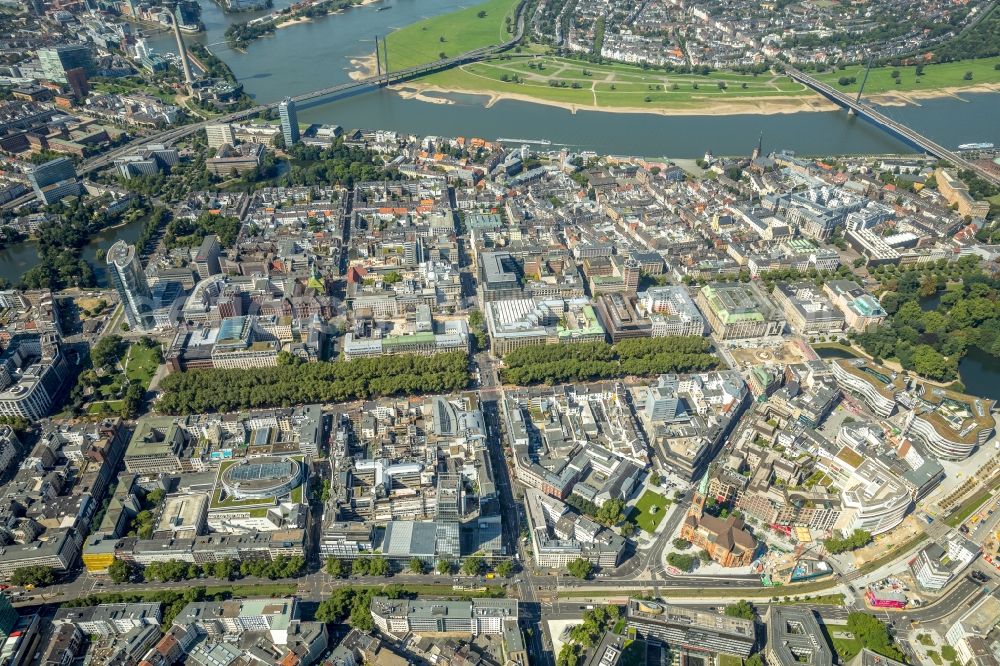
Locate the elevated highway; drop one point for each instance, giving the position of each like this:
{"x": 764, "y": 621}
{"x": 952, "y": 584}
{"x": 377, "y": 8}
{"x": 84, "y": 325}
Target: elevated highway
{"x": 172, "y": 135}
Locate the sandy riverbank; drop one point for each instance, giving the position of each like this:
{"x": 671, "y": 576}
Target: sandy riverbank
{"x": 735, "y": 106}
{"x": 362, "y": 67}
{"x": 747, "y": 105}
{"x": 913, "y": 97}
{"x": 307, "y": 19}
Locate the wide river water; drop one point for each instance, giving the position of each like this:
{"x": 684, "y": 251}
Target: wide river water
{"x": 317, "y": 54}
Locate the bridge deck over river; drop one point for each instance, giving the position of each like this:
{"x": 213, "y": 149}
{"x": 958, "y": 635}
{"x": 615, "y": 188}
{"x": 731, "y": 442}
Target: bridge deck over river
{"x": 383, "y": 79}
{"x": 886, "y": 123}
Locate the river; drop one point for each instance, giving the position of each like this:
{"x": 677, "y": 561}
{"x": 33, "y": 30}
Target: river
{"x": 316, "y": 54}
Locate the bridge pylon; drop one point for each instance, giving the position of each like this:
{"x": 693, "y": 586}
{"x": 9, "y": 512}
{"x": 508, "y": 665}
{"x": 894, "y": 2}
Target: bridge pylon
{"x": 864, "y": 80}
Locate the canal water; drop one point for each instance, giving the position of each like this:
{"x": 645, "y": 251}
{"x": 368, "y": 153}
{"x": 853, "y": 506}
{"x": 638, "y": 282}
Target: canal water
{"x": 977, "y": 370}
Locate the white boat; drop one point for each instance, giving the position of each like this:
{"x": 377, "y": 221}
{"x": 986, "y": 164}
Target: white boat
{"x": 540, "y": 142}
{"x": 975, "y": 146}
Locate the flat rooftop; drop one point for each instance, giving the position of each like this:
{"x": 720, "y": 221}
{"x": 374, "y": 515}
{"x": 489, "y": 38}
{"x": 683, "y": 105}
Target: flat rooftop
{"x": 661, "y": 613}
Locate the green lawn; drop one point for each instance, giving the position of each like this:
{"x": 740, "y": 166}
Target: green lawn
{"x": 462, "y": 31}
{"x": 142, "y": 364}
{"x": 945, "y": 75}
{"x": 844, "y": 643}
{"x": 611, "y": 85}
{"x": 643, "y": 513}
{"x": 969, "y": 507}
{"x": 97, "y": 409}
{"x": 730, "y": 660}
{"x": 935, "y": 657}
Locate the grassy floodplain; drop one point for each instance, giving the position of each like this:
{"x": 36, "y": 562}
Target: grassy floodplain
{"x": 531, "y": 73}
{"x": 935, "y": 77}
{"x": 462, "y": 31}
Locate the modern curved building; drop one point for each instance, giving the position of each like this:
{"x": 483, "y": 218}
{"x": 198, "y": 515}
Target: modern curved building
{"x": 33, "y": 369}
{"x": 875, "y": 501}
{"x": 874, "y": 383}
{"x": 262, "y": 478}
{"x": 125, "y": 273}
{"x": 952, "y": 424}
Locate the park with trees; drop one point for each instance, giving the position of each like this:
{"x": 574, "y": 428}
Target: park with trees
{"x": 937, "y": 312}
{"x": 294, "y": 382}
{"x": 643, "y": 357}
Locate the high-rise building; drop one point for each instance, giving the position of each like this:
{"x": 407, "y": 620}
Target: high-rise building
{"x": 57, "y": 60}
{"x": 125, "y": 273}
{"x": 207, "y": 259}
{"x": 8, "y": 617}
{"x": 54, "y": 180}
{"x": 289, "y": 121}
{"x": 52, "y": 171}
{"x": 76, "y": 78}
{"x": 220, "y": 134}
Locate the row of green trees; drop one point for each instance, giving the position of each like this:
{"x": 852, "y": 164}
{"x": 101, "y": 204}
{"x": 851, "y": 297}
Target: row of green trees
{"x": 553, "y": 364}
{"x": 38, "y": 576}
{"x": 377, "y": 565}
{"x": 837, "y": 545}
{"x": 288, "y": 384}
{"x": 282, "y": 566}
{"x": 173, "y": 601}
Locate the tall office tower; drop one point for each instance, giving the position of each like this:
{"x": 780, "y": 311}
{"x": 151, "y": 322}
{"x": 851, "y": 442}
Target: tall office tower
{"x": 182, "y": 51}
{"x": 8, "y": 617}
{"x": 125, "y": 273}
{"x": 54, "y": 180}
{"x": 220, "y": 134}
{"x": 76, "y": 78}
{"x": 57, "y": 60}
{"x": 207, "y": 260}
{"x": 631, "y": 270}
{"x": 289, "y": 121}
